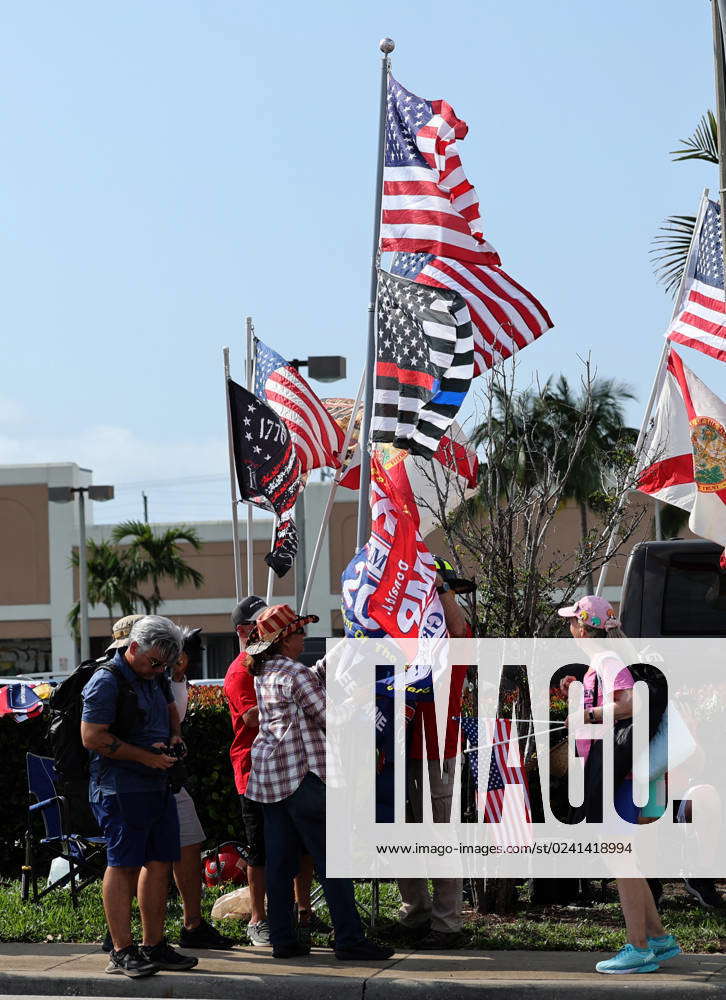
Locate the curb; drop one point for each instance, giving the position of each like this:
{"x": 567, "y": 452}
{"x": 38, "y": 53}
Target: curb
{"x": 375, "y": 987}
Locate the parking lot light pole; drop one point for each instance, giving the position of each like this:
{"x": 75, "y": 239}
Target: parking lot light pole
{"x": 64, "y": 494}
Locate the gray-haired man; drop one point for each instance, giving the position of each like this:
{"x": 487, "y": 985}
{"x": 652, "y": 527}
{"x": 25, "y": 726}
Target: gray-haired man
{"x": 130, "y": 727}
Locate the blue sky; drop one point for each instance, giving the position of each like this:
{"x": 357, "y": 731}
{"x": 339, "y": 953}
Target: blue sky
{"x": 171, "y": 167}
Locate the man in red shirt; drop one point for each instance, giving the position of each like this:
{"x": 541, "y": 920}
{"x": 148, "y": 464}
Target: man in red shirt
{"x": 239, "y": 690}
{"x": 437, "y": 919}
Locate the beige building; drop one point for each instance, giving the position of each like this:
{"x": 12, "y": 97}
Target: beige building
{"x": 38, "y": 585}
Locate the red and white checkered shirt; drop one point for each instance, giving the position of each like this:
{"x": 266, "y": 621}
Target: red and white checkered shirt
{"x": 291, "y": 738}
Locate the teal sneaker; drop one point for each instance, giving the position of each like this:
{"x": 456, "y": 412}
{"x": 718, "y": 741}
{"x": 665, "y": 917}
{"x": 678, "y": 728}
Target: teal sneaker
{"x": 664, "y": 947}
{"x": 629, "y": 959}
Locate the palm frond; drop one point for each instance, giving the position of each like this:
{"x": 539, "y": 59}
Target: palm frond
{"x": 703, "y": 144}
{"x": 670, "y": 250}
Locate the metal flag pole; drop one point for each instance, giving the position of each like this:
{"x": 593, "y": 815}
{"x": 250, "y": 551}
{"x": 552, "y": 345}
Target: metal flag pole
{"x": 250, "y": 372}
{"x": 270, "y": 571}
{"x": 232, "y": 485}
{"x": 654, "y": 392}
{"x": 719, "y": 65}
{"x": 331, "y": 499}
{"x": 386, "y": 45}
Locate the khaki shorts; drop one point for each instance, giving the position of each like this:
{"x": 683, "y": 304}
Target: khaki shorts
{"x": 191, "y": 830}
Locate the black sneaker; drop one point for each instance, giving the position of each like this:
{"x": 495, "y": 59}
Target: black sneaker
{"x": 164, "y": 957}
{"x": 310, "y": 920}
{"x": 130, "y": 962}
{"x": 442, "y": 940}
{"x": 291, "y": 950}
{"x": 107, "y": 945}
{"x": 204, "y": 935}
{"x": 364, "y": 951}
{"x": 704, "y": 891}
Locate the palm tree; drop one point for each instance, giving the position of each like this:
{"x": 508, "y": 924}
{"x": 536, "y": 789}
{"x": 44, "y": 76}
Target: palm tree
{"x": 671, "y": 248}
{"x": 602, "y": 410}
{"x": 156, "y": 557}
{"x": 112, "y": 582}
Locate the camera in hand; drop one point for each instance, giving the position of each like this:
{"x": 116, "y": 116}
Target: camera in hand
{"x": 177, "y": 774}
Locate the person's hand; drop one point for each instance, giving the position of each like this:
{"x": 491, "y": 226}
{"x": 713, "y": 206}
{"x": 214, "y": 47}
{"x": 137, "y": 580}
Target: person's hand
{"x": 159, "y": 761}
{"x": 439, "y": 579}
{"x": 565, "y": 683}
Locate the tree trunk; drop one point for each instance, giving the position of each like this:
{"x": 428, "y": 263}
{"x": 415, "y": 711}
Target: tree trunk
{"x": 583, "y": 532}
{"x": 500, "y": 896}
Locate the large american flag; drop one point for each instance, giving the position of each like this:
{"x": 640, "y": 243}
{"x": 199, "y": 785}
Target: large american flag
{"x": 428, "y": 204}
{"x": 505, "y": 316}
{"x": 513, "y": 824}
{"x": 316, "y": 436}
{"x": 424, "y": 363}
{"x": 701, "y": 319}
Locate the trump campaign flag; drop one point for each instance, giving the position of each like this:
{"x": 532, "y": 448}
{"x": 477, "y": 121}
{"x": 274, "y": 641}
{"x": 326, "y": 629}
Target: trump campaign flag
{"x": 700, "y": 320}
{"x": 428, "y": 204}
{"x": 684, "y": 454}
{"x": 268, "y": 469}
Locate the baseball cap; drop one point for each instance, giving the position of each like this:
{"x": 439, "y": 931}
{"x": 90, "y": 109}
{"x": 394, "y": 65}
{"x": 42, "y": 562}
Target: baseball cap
{"x": 592, "y": 610}
{"x": 121, "y": 631}
{"x": 248, "y": 611}
{"x": 458, "y": 584}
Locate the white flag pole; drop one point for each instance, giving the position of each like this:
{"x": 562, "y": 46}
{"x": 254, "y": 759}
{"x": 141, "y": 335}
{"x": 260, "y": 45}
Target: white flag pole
{"x": 232, "y": 485}
{"x": 250, "y": 365}
{"x": 654, "y": 392}
{"x": 331, "y": 496}
{"x": 386, "y": 45}
{"x": 270, "y": 571}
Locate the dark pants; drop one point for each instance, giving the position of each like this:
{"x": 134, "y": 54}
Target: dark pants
{"x": 295, "y": 826}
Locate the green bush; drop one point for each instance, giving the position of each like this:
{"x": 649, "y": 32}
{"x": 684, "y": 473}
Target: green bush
{"x": 208, "y": 733}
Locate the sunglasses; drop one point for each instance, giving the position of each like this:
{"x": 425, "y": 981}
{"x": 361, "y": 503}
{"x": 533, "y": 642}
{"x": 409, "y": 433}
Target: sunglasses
{"x": 157, "y": 664}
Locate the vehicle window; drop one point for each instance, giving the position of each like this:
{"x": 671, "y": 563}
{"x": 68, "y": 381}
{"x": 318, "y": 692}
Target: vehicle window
{"x": 695, "y": 597}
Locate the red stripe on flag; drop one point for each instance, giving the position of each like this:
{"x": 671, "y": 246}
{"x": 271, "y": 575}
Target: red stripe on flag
{"x": 698, "y": 345}
{"x": 676, "y": 471}
{"x": 389, "y": 370}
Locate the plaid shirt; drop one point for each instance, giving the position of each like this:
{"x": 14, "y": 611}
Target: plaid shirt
{"x": 291, "y": 738}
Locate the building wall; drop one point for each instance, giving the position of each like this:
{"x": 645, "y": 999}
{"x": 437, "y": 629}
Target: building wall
{"x": 38, "y": 585}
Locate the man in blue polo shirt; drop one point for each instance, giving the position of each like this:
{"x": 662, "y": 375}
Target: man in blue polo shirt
{"x": 130, "y": 725}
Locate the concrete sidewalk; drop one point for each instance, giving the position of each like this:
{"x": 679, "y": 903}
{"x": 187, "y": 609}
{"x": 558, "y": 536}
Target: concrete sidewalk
{"x": 34, "y": 970}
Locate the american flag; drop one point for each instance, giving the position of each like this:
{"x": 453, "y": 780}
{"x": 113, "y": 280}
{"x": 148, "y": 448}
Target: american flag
{"x": 505, "y": 316}
{"x": 316, "y": 436}
{"x": 424, "y": 363}
{"x": 513, "y": 824}
{"x": 268, "y": 469}
{"x": 701, "y": 319}
{"x": 428, "y": 204}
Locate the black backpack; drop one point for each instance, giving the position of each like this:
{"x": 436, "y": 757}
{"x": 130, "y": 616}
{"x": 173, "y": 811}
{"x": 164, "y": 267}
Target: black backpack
{"x": 64, "y": 725}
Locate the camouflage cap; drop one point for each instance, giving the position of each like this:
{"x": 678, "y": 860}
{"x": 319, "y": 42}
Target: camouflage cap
{"x": 121, "y": 631}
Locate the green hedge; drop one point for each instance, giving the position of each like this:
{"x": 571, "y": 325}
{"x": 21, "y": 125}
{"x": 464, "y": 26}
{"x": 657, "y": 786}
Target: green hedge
{"x": 208, "y": 733}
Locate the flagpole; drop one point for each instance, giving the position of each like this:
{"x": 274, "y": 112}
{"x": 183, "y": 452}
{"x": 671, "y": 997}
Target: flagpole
{"x": 386, "y": 45}
{"x": 654, "y": 392}
{"x": 270, "y": 571}
{"x": 720, "y": 74}
{"x": 232, "y": 485}
{"x": 331, "y": 498}
{"x": 250, "y": 364}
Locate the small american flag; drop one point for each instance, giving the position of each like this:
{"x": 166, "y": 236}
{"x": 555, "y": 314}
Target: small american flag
{"x": 428, "y": 204}
{"x": 513, "y": 824}
{"x": 424, "y": 363}
{"x": 505, "y": 316}
{"x": 316, "y": 436}
{"x": 701, "y": 319}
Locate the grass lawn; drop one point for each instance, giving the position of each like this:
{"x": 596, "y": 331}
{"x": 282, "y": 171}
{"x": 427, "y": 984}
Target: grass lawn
{"x": 533, "y": 928}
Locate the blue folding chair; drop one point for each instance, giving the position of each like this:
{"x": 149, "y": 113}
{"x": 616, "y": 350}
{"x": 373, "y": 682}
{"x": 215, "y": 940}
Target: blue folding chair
{"x": 85, "y": 855}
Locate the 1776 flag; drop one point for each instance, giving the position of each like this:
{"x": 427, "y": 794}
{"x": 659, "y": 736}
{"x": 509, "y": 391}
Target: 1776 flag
{"x": 316, "y": 436}
{"x": 701, "y": 319}
{"x": 268, "y": 469}
{"x": 505, "y": 316}
{"x": 424, "y": 363}
{"x": 428, "y": 204}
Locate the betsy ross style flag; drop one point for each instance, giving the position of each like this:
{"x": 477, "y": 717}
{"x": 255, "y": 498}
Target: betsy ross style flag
{"x": 268, "y": 469}
{"x": 701, "y": 318}
{"x": 428, "y": 203}
{"x": 424, "y": 363}
{"x": 505, "y": 316}
{"x": 316, "y": 436}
